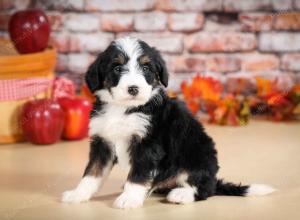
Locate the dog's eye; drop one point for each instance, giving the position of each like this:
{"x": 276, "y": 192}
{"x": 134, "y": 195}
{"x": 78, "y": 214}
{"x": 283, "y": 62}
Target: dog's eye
{"x": 117, "y": 69}
{"x": 145, "y": 68}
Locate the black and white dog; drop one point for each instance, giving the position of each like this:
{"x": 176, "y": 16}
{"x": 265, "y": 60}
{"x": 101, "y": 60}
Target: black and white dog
{"x": 135, "y": 124}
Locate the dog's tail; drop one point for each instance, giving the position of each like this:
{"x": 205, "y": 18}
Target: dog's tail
{"x": 231, "y": 189}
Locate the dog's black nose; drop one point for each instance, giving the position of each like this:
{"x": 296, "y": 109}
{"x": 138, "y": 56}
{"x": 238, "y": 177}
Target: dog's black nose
{"x": 133, "y": 90}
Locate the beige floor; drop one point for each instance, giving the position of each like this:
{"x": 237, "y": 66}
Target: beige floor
{"x": 33, "y": 177}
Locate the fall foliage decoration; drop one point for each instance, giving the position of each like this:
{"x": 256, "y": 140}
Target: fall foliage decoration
{"x": 85, "y": 92}
{"x": 224, "y": 108}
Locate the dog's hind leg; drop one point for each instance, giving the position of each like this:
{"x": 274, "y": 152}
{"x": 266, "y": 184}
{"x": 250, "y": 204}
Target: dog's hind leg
{"x": 184, "y": 192}
{"x": 192, "y": 186}
{"x": 98, "y": 168}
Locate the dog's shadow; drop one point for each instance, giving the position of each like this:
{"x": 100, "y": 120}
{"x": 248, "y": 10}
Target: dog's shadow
{"x": 53, "y": 186}
{"x": 107, "y": 197}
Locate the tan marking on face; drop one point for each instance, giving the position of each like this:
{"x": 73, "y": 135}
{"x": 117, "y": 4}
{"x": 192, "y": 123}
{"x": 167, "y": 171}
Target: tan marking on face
{"x": 144, "y": 60}
{"x": 120, "y": 59}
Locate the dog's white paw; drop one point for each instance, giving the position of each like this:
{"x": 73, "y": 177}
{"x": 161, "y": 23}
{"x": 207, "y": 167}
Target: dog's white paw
{"x": 75, "y": 196}
{"x": 128, "y": 201}
{"x": 181, "y": 195}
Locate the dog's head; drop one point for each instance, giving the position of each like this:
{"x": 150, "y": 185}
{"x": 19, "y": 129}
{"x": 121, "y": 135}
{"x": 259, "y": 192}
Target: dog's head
{"x": 129, "y": 72}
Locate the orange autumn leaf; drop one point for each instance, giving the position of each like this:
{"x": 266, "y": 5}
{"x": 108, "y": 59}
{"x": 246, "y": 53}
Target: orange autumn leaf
{"x": 85, "y": 92}
{"x": 206, "y": 93}
{"x": 264, "y": 87}
{"x": 193, "y": 106}
{"x": 201, "y": 89}
{"x": 206, "y": 87}
{"x": 219, "y": 114}
{"x": 296, "y": 89}
{"x": 277, "y": 99}
{"x": 186, "y": 90}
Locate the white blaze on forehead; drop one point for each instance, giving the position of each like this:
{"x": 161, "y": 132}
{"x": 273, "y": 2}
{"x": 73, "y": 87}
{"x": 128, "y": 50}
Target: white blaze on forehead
{"x": 132, "y": 49}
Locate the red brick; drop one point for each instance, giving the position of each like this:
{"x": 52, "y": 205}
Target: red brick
{"x": 61, "y": 5}
{"x": 256, "y": 21}
{"x": 282, "y": 5}
{"x": 175, "y": 80}
{"x": 223, "y": 63}
{"x": 117, "y": 22}
{"x": 210, "y": 25}
{"x": 91, "y": 42}
{"x": 259, "y": 62}
{"x": 4, "y": 19}
{"x": 253, "y": 5}
{"x": 183, "y": 64}
{"x": 164, "y": 42}
{"x": 56, "y": 20}
{"x": 191, "y": 5}
{"x": 220, "y": 42}
{"x": 268, "y": 21}
{"x": 218, "y": 76}
{"x": 61, "y": 40}
{"x": 251, "y": 75}
{"x": 185, "y": 22}
{"x": 290, "y": 61}
{"x": 297, "y": 78}
{"x": 79, "y": 62}
{"x": 6, "y": 4}
{"x": 150, "y": 21}
{"x": 285, "y": 80}
{"x": 14, "y": 4}
{"x": 296, "y": 4}
{"x": 62, "y": 63}
{"x": 4, "y": 35}
{"x": 279, "y": 41}
{"x": 21, "y": 4}
{"x": 82, "y": 22}
{"x": 119, "y": 5}
{"x": 287, "y": 21}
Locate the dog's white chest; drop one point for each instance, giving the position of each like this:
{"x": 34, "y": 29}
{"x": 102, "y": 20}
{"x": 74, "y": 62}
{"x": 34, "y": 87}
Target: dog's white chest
{"x": 117, "y": 128}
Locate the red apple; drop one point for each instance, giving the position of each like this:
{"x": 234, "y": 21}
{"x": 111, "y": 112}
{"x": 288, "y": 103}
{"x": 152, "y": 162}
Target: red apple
{"x": 77, "y": 113}
{"x": 42, "y": 121}
{"x": 29, "y": 30}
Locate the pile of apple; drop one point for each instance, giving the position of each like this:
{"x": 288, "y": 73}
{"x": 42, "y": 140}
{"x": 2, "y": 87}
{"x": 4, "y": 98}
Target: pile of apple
{"x": 45, "y": 121}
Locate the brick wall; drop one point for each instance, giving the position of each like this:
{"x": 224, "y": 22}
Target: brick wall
{"x": 223, "y": 38}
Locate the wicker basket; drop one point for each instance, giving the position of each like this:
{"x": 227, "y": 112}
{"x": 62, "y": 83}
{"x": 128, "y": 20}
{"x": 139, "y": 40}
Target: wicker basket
{"x": 16, "y": 66}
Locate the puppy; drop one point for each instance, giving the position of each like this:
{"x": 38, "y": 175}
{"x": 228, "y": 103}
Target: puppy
{"x": 134, "y": 124}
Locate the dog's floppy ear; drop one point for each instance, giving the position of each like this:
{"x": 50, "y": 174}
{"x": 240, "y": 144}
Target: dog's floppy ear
{"x": 162, "y": 69}
{"x": 94, "y": 77}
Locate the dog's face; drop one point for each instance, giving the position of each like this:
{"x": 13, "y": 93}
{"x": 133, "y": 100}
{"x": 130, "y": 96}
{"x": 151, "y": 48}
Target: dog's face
{"x": 129, "y": 72}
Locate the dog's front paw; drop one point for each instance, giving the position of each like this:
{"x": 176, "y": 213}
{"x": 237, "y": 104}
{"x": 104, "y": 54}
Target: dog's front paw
{"x": 128, "y": 201}
{"x": 75, "y": 196}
